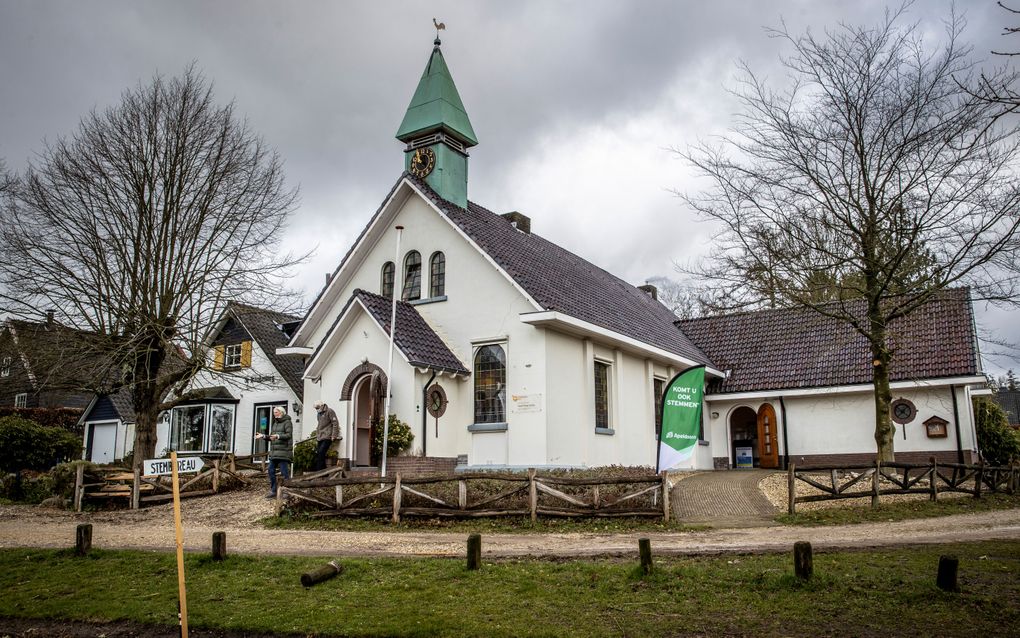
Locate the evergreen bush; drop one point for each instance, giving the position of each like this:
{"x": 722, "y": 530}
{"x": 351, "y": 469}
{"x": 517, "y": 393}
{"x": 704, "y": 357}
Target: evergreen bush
{"x": 304, "y": 455}
{"x": 999, "y": 443}
{"x": 400, "y": 438}
{"x": 26, "y": 445}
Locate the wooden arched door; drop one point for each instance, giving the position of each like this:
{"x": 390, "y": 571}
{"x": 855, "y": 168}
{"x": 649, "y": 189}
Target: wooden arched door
{"x": 768, "y": 438}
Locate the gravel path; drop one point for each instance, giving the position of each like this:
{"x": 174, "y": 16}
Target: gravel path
{"x": 237, "y": 514}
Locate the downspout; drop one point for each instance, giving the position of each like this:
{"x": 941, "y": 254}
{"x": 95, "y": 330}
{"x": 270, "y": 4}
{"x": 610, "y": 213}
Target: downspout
{"x": 786, "y": 440}
{"x": 956, "y": 417}
{"x": 425, "y": 413}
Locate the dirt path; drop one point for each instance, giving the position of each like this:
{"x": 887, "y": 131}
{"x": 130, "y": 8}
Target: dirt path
{"x": 237, "y": 514}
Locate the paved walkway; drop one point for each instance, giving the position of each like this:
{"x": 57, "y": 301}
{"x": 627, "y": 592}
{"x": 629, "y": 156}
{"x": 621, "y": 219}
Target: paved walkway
{"x": 723, "y": 499}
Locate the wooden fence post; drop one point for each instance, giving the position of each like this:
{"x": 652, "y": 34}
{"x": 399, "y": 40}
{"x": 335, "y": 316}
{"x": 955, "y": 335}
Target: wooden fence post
{"x": 216, "y": 476}
{"x": 645, "y": 549}
{"x": 803, "y": 562}
{"x": 83, "y": 539}
{"x": 474, "y": 551}
{"x": 339, "y": 493}
{"x": 979, "y": 478}
{"x": 219, "y": 545}
{"x": 233, "y": 463}
{"x": 462, "y": 494}
{"x": 665, "y": 497}
{"x": 791, "y": 489}
{"x": 532, "y": 495}
{"x": 934, "y": 480}
{"x": 136, "y": 489}
{"x": 79, "y": 486}
{"x": 396, "y": 499}
{"x": 946, "y": 578}
{"x": 875, "y": 483}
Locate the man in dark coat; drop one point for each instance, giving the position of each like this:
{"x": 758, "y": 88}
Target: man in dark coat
{"x": 327, "y": 431}
{"x": 281, "y": 450}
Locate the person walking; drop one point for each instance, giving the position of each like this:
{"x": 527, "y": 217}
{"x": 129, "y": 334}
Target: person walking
{"x": 281, "y": 452}
{"x": 327, "y": 431}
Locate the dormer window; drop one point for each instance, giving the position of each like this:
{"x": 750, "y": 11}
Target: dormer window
{"x": 437, "y": 275}
{"x": 412, "y": 276}
{"x": 232, "y": 356}
{"x": 386, "y": 286}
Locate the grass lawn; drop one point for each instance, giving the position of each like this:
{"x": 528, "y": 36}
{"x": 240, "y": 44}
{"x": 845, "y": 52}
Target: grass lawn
{"x": 866, "y": 593}
{"x": 898, "y": 511}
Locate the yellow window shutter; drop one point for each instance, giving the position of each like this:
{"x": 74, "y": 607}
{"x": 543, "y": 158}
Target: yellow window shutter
{"x": 246, "y": 354}
{"x": 218, "y": 358}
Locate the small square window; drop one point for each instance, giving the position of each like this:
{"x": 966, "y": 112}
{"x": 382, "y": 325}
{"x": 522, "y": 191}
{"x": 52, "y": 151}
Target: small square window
{"x": 21, "y": 400}
{"x": 232, "y": 356}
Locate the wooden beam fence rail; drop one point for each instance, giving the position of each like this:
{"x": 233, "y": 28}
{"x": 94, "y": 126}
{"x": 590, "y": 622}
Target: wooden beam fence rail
{"x": 906, "y": 478}
{"x": 536, "y": 492}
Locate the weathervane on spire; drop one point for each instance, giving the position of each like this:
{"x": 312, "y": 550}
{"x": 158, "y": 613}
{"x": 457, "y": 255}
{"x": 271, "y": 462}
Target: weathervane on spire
{"x": 440, "y": 26}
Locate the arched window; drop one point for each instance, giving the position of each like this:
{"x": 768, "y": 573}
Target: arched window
{"x": 412, "y": 276}
{"x": 386, "y": 287}
{"x": 437, "y": 275}
{"x": 490, "y": 385}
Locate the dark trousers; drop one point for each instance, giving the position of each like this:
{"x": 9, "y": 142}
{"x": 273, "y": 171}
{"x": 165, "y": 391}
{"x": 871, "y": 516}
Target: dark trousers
{"x": 284, "y": 466}
{"x": 320, "y": 454}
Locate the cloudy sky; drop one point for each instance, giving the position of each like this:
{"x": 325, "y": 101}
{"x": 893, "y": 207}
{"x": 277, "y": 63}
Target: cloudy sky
{"x": 576, "y": 104}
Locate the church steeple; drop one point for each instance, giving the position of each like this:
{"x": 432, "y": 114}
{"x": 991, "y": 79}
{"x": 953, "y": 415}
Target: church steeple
{"x": 437, "y": 132}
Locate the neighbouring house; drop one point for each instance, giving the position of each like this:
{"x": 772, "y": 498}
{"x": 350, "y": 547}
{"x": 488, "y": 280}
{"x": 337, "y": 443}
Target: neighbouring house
{"x": 1009, "y": 401}
{"x": 42, "y": 365}
{"x": 228, "y": 403}
{"x": 513, "y": 352}
{"x": 108, "y": 425}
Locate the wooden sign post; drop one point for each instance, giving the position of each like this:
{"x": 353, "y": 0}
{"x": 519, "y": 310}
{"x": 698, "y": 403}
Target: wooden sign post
{"x": 179, "y": 530}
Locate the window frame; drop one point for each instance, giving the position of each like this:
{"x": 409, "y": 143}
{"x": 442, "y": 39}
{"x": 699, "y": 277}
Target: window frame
{"x": 411, "y": 288}
{"x": 657, "y": 396}
{"x": 232, "y": 355}
{"x": 489, "y": 418}
{"x": 206, "y": 432}
{"x": 5, "y": 366}
{"x": 387, "y": 279}
{"x": 21, "y": 400}
{"x": 437, "y": 275}
{"x": 607, "y": 425}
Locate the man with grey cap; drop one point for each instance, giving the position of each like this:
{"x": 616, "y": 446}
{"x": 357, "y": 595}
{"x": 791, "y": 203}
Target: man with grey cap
{"x": 327, "y": 431}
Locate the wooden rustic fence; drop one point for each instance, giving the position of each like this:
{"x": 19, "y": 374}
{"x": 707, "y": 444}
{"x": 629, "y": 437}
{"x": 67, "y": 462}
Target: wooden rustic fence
{"x": 478, "y": 495}
{"x": 905, "y": 478}
{"x": 123, "y": 484}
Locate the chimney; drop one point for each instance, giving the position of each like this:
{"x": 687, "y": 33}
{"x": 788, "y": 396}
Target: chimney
{"x": 329, "y": 276}
{"x": 520, "y": 222}
{"x": 49, "y": 318}
{"x": 652, "y": 291}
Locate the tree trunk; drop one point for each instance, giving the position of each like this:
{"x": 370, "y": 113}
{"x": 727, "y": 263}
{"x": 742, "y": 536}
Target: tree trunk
{"x": 884, "y": 428}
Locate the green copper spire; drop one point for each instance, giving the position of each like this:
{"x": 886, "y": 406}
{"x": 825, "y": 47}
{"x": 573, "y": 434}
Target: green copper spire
{"x": 436, "y": 105}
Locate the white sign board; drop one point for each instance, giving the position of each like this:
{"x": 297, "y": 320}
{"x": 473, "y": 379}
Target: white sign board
{"x": 162, "y": 467}
{"x": 526, "y": 403}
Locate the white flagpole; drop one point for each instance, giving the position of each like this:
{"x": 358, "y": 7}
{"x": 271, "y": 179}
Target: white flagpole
{"x": 389, "y": 366}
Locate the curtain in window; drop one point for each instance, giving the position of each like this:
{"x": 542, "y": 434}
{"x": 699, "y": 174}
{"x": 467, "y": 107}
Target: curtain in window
{"x": 490, "y": 385}
{"x": 412, "y": 276}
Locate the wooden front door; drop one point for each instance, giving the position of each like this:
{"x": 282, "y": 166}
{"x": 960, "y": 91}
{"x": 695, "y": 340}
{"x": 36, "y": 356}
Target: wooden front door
{"x": 768, "y": 439}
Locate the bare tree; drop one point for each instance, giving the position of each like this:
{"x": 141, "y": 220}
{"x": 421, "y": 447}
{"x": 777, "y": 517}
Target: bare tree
{"x": 872, "y": 183}
{"x": 139, "y": 228}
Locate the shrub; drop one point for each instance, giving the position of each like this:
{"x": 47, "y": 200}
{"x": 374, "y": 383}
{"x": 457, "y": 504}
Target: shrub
{"x": 64, "y": 418}
{"x": 64, "y": 474}
{"x": 26, "y": 445}
{"x": 999, "y": 443}
{"x": 400, "y": 438}
{"x": 304, "y": 455}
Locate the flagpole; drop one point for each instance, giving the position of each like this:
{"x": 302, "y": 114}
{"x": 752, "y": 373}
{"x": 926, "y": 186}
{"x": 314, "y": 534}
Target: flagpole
{"x": 389, "y": 366}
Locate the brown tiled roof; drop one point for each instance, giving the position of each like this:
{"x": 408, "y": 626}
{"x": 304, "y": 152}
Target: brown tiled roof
{"x": 266, "y": 327}
{"x": 419, "y": 343}
{"x": 800, "y": 348}
{"x": 561, "y": 281}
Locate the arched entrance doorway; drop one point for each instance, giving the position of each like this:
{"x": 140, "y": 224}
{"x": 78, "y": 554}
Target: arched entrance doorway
{"x": 768, "y": 438}
{"x": 363, "y": 415}
{"x": 743, "y": 438}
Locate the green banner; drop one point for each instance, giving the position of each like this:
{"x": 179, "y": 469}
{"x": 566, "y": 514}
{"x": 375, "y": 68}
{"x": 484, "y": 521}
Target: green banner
{"x": 681, "y": 418}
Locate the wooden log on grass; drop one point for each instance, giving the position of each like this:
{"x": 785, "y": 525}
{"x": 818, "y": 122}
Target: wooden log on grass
{"x": 219, "y": 545}
{"x": 83, "y": 539}
{"x": 324, "y": 573}
{"x": 645, "y": 549}
{"x": 474, "y": 551}
{"x": 803, "y": 563}
{"x": 948, "y": 568}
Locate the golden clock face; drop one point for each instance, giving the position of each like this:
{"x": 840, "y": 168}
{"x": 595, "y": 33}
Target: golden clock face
{"x": 423, "y": 160}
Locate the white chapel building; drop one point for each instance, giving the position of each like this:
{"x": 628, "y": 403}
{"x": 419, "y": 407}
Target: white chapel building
{"x": 512, "y": 352}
